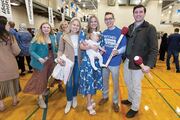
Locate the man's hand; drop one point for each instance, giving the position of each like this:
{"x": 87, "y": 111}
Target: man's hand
{"x": 115, "y": 52}
{"x": 146, "y": 69}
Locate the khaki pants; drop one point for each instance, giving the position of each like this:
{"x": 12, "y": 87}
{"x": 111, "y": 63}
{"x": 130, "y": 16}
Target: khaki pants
{"x": 133, "y": 82}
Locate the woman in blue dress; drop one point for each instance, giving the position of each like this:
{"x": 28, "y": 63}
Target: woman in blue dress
{"x": 90, "y": 79}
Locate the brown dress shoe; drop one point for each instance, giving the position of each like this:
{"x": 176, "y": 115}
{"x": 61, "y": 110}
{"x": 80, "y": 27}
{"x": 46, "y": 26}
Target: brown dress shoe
{"x": 116, "y": 107}
{"x": 103, "y": 100}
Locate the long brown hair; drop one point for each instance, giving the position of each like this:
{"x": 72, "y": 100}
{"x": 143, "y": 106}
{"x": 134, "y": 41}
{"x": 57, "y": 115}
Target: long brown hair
{"x": 40, "y": 37}
{"x": 89, "y": 24}
{"x": 4, "y": 34}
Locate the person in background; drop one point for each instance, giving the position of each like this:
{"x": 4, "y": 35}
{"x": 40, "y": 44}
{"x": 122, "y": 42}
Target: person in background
{"x": 111, "y": 36}
{"x": 23, "y": 39}
{"x": 31, "y": 31}
{"x": 42, "y": 51}
{"x": 90, "y": 79}
{"x": 13, "y": 31}
{"x": 163, "y": 46}
{"x": 173, "y": 49}
{"x": 63, "y": 28}
{"x": 9, "y": 76}
{"x": 69, "y": 46}
{"x": 141, "y": 41}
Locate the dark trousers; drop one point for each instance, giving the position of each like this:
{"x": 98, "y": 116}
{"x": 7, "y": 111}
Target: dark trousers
{"x": 176, "y": 58}
{"x": 162, "y": 54}
{"x": 21, "y": 62}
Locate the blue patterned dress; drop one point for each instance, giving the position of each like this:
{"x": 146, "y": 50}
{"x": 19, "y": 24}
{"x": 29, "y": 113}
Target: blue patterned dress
{"x": 90, "y": 79}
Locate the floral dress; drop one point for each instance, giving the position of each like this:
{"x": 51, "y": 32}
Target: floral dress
{"x": 90, "y": 79}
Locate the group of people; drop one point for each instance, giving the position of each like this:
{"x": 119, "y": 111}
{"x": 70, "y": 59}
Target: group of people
{"x": 23, "y": 38}
{"x": 88, "y": 73}
{"x": 171, "y": 45}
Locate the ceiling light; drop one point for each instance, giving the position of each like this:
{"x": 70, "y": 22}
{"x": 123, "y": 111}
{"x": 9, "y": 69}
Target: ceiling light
{"x": 15, "y": 4}
{"x": 169, "y": 11}
{"x": 170, "y": 7}
{"x": 160, "y": 1}
{"x": 79, "y": 0}
{"x": 98, "y": 0}
{"x": 138, "y": 2}
{"x": 84, "y": 5}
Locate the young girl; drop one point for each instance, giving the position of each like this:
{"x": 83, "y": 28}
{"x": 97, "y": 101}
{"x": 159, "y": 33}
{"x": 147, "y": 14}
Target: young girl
{"x": 90, "y": 79}
{"x": 69, "y": 46}
{"x": 42, "y": 51}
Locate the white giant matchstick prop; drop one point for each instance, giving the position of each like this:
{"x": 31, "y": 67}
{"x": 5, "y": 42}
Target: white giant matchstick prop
{"x": 124, "y": 32}
{"x": 139, "y": 61}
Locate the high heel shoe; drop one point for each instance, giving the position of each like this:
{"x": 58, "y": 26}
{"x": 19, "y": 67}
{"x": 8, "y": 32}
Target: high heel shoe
{"x": 93, "y": 103}
{"x": 91, "y": 110}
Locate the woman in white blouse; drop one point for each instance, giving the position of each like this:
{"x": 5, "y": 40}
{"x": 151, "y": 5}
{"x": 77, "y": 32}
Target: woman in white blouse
{"x": 69, "y": 46}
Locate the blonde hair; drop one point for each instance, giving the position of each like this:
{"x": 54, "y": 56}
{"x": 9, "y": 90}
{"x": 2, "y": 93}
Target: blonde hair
{"x": 70, "y": 24}
{"x": 61, "y": 25}
{"x": 40, "y": 37}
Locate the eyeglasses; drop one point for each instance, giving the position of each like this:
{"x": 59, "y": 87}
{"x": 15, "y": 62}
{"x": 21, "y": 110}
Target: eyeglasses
{"x": 108, "y": 19}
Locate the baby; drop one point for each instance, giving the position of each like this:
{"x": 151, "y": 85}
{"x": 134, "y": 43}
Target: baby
{"x": 92, "y": 54}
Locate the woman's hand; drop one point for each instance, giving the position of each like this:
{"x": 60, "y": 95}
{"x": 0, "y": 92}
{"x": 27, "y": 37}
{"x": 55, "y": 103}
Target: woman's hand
{"x": 61, "y": 62}
{"x": 41, "y": 60}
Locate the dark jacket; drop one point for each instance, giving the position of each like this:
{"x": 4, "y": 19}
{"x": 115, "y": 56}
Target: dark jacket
{"x": 142, "y": 42}
{"x": 174, "y": 42}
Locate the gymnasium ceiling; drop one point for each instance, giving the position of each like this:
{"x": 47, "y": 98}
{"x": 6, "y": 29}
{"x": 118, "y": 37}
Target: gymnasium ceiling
{"x": 93, "y": 4}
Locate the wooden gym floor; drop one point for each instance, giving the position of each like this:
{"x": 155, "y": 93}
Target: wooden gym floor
{"x": 160, "y": 101}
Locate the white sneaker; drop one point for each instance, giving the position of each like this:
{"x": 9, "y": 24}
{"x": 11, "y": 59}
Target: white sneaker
{"x": 41, "y": 103}
{"x": 68, "y": 107}
{"x": 74, "y": 104}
